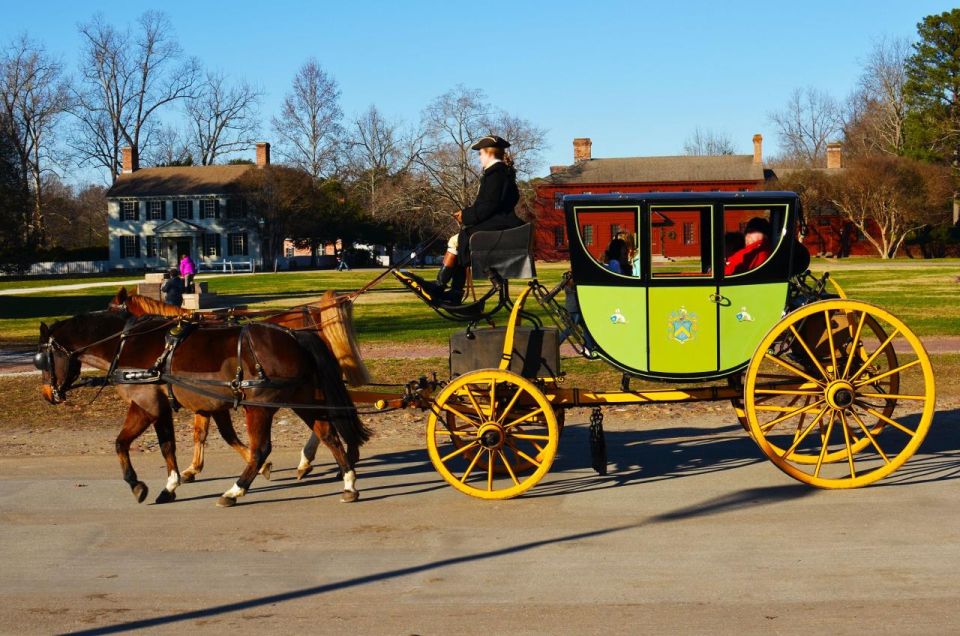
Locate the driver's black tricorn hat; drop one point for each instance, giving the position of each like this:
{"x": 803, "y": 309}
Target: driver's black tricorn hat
{"x": 490, "y": 141}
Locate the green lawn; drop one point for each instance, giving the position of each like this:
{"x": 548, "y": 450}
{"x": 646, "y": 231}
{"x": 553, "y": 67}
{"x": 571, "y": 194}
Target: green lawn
{"x": 925, "y": 294}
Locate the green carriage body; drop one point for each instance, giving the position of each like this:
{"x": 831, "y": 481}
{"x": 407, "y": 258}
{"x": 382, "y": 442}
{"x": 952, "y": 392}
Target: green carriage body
{"x": 679, "y": 318}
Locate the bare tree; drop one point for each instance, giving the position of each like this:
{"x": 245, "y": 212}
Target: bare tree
{"x": 169, "y": 147}
{"x": 223, "y": 117}
{"x": 34, "y": 95}
{"x": 451, "y": 124}
{"x": 127, "y": 77}
{"x": 308, "y": 127}
{"x": 706, "y": 142}
{"x": 877, "y": 111}
{"x": 889, "y": 197}
{"x": 810, "y": 119}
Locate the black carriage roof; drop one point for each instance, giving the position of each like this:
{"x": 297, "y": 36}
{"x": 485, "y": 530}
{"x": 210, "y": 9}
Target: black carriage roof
{"x": 682, "y": 196}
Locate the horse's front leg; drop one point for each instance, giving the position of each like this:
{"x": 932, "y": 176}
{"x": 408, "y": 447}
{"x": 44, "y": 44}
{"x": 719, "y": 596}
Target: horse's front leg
{"x": 259, "y": 422}
{"x": 134, "y": 425}
{"x": 307, "y": 454}
{"x": 201, "y": 427}
{"x": 168, "y": 447}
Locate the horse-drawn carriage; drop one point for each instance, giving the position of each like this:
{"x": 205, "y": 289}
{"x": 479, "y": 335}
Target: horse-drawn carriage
{"x": 836, "y": 392}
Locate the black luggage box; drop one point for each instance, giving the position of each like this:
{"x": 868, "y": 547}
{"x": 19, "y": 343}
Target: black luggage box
{"x": 536, "y": 352}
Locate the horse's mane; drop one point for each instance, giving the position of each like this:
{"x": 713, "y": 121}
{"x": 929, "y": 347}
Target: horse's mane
{"x": 139, "y": 305}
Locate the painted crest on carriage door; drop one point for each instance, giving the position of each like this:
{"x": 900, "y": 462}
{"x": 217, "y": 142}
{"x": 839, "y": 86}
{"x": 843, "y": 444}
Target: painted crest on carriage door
{"x": 683, "y": 325}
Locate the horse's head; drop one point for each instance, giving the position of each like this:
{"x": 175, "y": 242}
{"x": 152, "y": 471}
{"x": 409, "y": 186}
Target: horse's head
{"x": 119, "y": 302}
{"x": 59, "y": 366}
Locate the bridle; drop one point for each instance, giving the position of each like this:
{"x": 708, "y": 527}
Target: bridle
{"x": 44, "y": 360}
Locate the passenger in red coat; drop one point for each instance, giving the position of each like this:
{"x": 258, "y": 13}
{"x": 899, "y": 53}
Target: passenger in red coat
{"x": 756, "y": 251}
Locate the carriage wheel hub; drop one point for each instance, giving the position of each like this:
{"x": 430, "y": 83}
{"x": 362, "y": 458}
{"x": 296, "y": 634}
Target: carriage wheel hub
{"x": 840, "y": 394}
{"x": 491, "y": 436}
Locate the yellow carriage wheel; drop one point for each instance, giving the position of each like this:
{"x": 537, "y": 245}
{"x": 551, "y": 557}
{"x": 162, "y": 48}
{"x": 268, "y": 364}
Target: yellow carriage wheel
{"x": 829, "y": 400}
{"x": 492, "y": 434}
{"x": 499, "y": 468}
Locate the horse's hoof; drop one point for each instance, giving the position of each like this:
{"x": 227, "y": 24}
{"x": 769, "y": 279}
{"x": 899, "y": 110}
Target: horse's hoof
{"x": 349, "y": 496}
{"x": 140, "y": 491}
{"x": 166, "y": 496}
{"x": 303, "y": 472}
{"x": 265, "y": 471}
{"x": 187, "y": 477}
{"x": 226, "y": 502}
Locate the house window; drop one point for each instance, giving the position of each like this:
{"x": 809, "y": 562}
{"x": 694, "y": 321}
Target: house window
{"x": 183, "y": 210}
{"x": 615, "y": 231}
{"x": 558, "y": 236}
{"x": 823, "y": 222}
{"x": 558, "y": 200}
{"x": 210, "y": 209}
{"x": 688, "y": 234}
{"x": 157, "y": 210}
{"x": 130, "y": 211}
{"x": 288, "y": 250}
{"x": 151, "y": 246}
{"x": 588, "y": 235}
{"x": 237, "y": 244}
{"x": 236, "y": 208}
{"x": 129, "y": 246}
{"x": 211, "y": 245}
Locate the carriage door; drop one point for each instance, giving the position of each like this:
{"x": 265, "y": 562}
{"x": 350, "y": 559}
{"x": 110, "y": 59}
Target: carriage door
{"x": 682, "y": 316}
{"x": 750, "y": 303}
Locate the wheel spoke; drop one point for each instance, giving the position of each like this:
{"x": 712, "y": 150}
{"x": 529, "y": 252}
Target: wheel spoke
{"x": 892, "y": 396}
{"x": 846, "y": 441}
{"x": 874, "y": 355}
{"x": 466, "y": 418}
{"x": 796, "y": 334}
{"x": 459, "y": 451}
{"x": 525, "y": 456}
{"x": 489, "y": 471}
{"x": 869, "y": 436}
{"x": 473, "y": 463}
{"x": 453, "y": 432}
{"x": 544, "y": 438}
{"x": 473, "y": 401}
{"x": 523, "y": 419}
{"x": 885, "y": 374}
{"x": 509, "y": 406}
{"x": 889, "y": 421}
{"x": 833, "y": 349}
{"x": 803, "y": 435}
{"x": 786, "y": 392}
{"x": 765, "y": 428}
{"x": 853, "y": 344}
{"x": 793, "y": 369}
{"x": 493, "y": 399}
{"x": 826, "y": 443}
{"x": 506, "y": 464}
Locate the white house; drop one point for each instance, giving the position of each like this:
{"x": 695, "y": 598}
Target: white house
{"x": 155, "y": 215}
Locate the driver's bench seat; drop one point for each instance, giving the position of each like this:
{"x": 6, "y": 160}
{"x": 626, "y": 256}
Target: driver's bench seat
{"x": 497, "y": 254}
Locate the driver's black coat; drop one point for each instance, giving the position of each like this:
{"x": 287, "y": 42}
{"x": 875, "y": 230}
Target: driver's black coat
{"x": 493, "y": 208}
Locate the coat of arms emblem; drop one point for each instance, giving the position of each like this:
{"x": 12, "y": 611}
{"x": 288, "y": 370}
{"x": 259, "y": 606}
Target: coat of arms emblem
{"x": 683, "y": 325}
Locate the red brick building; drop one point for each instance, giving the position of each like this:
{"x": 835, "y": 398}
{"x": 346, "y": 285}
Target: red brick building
{"x": 828, "y": 233}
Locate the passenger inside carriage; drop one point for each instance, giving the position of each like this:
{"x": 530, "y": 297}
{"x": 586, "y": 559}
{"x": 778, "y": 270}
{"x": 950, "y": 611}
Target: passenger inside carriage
{"x": 756, "y": 250}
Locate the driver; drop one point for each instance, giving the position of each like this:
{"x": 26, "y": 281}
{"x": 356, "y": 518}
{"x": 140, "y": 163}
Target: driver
{"x": 492, "y": 210}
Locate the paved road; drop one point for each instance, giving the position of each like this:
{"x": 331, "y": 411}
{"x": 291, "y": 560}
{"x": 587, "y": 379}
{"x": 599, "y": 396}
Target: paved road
{"x": 689, "y": 533}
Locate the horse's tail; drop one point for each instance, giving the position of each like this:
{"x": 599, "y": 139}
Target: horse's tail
{"x": 336, "y": 329}
{"x": 344, "y": 414}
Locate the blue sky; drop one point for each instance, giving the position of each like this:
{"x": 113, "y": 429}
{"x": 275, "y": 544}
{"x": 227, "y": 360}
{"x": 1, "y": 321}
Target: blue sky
{"x": 636, "y": 77}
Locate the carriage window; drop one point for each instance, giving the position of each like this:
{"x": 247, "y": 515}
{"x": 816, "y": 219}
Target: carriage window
{"x": 680, "y": 241}
{"x": 751, "y": 234}
{"x": 609, "y": 236}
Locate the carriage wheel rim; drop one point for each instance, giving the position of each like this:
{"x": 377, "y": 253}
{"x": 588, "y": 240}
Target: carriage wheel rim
{"x": 833, "y": 414}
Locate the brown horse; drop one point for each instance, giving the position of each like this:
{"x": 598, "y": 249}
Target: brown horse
{"x": 280, "y": 366}
{"x": 331, "y": 318}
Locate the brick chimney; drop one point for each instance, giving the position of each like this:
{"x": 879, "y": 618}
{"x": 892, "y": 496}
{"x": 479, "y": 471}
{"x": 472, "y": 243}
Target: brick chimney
{"x": 130, "y": 161}
{"x": 557, "y": 169}
{"x": 581, "y": 149}
{"x": 263, "y": 154}
{"x": 834, "y": 155}
{"x": 758, "y": 148}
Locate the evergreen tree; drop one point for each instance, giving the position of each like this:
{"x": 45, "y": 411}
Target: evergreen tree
{"x": 14, "y": 207}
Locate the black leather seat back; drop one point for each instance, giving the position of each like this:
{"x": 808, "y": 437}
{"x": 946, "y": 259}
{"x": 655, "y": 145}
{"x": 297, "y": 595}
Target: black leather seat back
{"x": 510, "y": 252}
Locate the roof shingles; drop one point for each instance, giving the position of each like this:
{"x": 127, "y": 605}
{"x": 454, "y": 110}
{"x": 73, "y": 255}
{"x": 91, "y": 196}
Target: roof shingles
{"x": 660, "y": 170}
{"x": 179, "y": 181}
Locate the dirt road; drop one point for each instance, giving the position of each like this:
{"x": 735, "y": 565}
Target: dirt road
{"x": 690, "y": 532}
